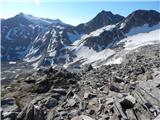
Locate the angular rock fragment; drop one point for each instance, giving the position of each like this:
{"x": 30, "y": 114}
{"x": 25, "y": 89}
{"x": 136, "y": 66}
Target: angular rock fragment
{"x": 71, "y": 102}
{"x": 59, "y": 91}
{"x": 128, "y": 102}
{"x": 88, "y": 95}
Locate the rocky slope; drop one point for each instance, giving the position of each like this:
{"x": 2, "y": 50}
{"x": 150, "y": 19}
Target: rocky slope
{"x": 126, "y": 91}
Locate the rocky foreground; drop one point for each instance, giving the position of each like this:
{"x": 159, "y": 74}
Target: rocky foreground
{"x": 127, "y": 91}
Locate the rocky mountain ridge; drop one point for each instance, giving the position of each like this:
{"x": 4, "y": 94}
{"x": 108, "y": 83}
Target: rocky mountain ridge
{"x": 19, "y": 32}
{"x": 49, "y": 43}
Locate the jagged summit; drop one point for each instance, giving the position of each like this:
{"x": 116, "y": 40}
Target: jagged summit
{"x": 105, "y": 12}
{"x": 106, "y": 18}
{"x": 38, "y": 20}
{"x": 21, "y": 14}
{"x": 103, "y": 18}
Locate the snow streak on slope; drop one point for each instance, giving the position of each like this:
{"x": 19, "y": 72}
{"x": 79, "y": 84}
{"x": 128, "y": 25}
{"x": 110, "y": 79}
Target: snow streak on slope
{"x": 94, "y": 34}
{"x": 33, "y": 59}
{"x": 101, "y": 30}
{"x": 8, "y": 35}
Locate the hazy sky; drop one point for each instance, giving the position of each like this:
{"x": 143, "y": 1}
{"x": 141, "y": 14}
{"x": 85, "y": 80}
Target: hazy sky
{"x": 73, "y": 12}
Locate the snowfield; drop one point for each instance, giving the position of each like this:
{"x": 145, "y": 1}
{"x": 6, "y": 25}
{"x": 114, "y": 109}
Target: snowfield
{"x": 141, "y": 39}
{"x": 133, "y": 42}
{"x": 91, "y": 55}
{"x": 85, "y": 55}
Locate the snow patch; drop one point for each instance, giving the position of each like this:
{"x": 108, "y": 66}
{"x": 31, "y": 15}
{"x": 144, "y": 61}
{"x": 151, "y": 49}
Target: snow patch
{"x": 35, "y": 65}
{"x": 53, "y": 53}
{"x": 114, "y": 61}
{"x": 33, "y": 59}
{"x": 60, "y": 27}
{"x": 12, "y": 62}
{"x": 122, "y": 25}
{"x": 85, "y": 55}
{"x": 99, "y": 31}
{"x": 73, "y": 36}
{"x": 8, "y": 35}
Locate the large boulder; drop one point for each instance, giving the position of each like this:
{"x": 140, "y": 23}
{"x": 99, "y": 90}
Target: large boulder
{"x": 128, "y": 102}
{"x": 51, "y": 102}
{"x": 31, "y": 112}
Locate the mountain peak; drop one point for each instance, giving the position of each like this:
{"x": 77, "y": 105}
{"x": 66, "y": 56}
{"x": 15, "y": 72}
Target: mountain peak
{"x": 21, "y": 13}
{"x": 102, "y": 19}
{"x": 103, "y": 12}
{"x": 107, "y": 17}
{"x": 38, "y": 20}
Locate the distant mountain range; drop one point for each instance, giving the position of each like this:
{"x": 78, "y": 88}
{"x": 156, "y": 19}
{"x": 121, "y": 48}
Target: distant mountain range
{"x": 42, "y": 42}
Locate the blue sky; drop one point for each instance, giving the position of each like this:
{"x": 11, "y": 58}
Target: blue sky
{"x": 74, "y": 12}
